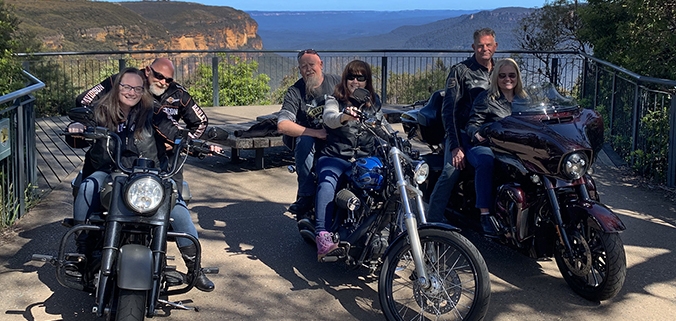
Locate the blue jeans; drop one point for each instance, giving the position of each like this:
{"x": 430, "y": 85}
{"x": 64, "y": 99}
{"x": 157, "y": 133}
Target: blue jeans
{"x": 445, "y": 185}
{"x": 88, "y": 200}
{"x": 330, "y": 172}
{"x": 304, "y": 154}
{"x": 481, "y": 157}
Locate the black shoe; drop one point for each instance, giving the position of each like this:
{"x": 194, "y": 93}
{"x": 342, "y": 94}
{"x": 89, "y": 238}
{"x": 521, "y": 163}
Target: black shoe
{"x": 488, "y": 226}
{"x": 203, "y": 283}
{"x": 302, "y": 205}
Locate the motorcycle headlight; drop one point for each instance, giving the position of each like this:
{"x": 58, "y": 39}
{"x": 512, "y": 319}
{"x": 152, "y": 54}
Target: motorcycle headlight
{"x": 422, "y": 170}
{"x": 575, "y": 165}
{"x": 144, "y": 194}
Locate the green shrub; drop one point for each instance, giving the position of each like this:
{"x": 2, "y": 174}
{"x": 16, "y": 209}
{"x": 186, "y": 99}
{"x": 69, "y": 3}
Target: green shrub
{"x": 237, "y": 83}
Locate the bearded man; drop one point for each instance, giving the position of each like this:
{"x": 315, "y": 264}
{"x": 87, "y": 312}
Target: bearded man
{"x": 301, "y": 119}
{"x": 174, "y": 99}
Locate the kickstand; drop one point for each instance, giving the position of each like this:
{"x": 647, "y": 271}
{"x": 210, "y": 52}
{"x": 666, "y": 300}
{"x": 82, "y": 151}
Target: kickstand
{"x": 179, "y": 305}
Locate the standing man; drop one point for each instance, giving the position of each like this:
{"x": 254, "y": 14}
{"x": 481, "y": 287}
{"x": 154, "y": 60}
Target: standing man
{"x": 301, "y": 117}
{"x": 464, "y": 83}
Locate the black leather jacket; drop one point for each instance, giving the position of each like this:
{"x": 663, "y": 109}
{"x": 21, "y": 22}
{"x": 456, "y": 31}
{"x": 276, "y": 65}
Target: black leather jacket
{"x": 159, "y": 129}
{"x": 175, "y": 101}
{"x": 485, "y": 111}
{"x": 348, "y": 141}
{"x": 464, "y": 83}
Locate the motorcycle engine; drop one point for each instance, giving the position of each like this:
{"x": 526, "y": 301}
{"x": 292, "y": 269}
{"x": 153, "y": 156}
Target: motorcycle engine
{"x": 368, "y": 173}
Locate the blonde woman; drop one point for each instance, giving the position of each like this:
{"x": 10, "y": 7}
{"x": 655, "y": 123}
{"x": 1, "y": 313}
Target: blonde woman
{"x": 490, "y": 106}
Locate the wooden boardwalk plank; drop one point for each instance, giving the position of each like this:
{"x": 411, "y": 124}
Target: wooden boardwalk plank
{"x": 55, "y": 159}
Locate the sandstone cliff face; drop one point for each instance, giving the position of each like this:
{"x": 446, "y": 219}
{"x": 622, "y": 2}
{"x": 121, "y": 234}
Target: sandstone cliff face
{"x": 135, "y": 38}
{"x": 242, "y": 37}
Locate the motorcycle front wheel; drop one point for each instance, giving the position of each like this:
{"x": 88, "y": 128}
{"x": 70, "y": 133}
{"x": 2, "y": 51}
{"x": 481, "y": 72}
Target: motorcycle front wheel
{"x": 459, "y": 281}
{"x": 131, "y": 305}
{"x": 598, "y": 267}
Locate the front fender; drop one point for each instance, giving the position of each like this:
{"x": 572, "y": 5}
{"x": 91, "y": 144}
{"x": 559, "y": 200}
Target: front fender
{"x": 134, "y": 268}
{"x": 429, "y": 226}
{"x": 599, "y": 213}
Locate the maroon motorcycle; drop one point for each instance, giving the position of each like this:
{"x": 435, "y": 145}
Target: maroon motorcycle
{"x": 546, "y": 202}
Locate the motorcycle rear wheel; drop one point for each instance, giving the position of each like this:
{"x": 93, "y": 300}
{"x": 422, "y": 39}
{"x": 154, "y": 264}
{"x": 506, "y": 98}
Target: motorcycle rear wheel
{"x": 600, "y": 278}
{"x": 460, "y": 281}
{"x": 131, "y": 305}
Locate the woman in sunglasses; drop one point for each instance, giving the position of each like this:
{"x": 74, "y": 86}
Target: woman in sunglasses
{"x": 345, "y": 142}
{"x": 490, "y": 106}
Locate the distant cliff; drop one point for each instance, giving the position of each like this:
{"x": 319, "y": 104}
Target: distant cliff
{"x": 79, "y": 25}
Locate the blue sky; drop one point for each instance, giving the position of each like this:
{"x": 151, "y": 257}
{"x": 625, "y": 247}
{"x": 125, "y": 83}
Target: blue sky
{"x": 380, "y": 5}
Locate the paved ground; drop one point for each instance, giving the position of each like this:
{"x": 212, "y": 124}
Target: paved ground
{"x": 269, "y": 273}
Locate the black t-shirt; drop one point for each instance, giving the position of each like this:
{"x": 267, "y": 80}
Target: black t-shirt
{"x": 306, "y": 109}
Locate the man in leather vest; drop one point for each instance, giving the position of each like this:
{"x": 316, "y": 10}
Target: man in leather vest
{"x": 464, "y": 82}
{"x": 301, "y": 118}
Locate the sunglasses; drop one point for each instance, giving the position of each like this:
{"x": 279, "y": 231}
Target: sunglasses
{"x": 503, "y": 75}
{"x": 358, "y": 77}
{"x": 160, "y": 76}
{"x": 127, "y": 88}
{"x": 307, "y": 51}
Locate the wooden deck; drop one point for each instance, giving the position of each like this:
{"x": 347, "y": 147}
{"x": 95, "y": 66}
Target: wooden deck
{"x": 55, "y": 159}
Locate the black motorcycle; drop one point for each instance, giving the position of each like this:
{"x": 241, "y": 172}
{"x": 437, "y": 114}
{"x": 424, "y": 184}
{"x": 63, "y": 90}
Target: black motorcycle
{"x": 127, "y": 270}
{"x": 426, "y": 271}
{"x": 546, "y": 202}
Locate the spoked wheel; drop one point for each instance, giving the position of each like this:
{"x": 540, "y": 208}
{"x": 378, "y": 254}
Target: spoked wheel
{"x": 458, "y": 287}
{"x": 597, "y": 269}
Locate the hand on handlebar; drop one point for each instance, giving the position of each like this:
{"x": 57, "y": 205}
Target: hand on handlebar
{"x": 351, "y": 113}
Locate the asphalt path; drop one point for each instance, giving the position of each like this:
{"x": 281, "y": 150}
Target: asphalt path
{"x": 267, "y": 272}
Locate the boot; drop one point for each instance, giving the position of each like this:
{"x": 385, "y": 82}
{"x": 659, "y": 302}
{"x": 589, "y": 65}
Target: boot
{"x": 203, "y": 283}
{"x": 488, "y": 226}
{"x": 82, "y": 240}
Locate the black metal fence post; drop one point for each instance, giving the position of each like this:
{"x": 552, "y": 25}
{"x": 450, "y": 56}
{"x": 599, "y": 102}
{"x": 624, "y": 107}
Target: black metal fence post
{"x": 121, "y": 63}
{"x": 554, "y": 79}
{"x": 214, "y": 81}
{"x": 383, "y": 72}
{"x": 671, "y": 167}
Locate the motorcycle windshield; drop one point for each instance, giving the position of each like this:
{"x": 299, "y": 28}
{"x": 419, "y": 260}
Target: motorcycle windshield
{"x": 544, "y": 127}
{"x": 543, "y": 100}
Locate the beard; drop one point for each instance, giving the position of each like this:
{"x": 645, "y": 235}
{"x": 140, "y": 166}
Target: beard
{"x": 312, "y": 84}
{"x": 157, "y": 91}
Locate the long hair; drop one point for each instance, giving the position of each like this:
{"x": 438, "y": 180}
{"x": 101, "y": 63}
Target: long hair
{"x": 494, "y": 90}
{"x": 108, "y": 112}
{"x": 355, "y": 67}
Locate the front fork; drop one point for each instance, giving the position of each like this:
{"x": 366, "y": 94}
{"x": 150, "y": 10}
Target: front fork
{"x": 410, "y": 220}
{"x": 556, "y": 213}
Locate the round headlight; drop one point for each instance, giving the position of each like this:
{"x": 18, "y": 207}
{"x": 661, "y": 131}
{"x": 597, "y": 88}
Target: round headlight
{"x": 144, "y": 194}
{"x": 422, "y": 170}
{"x": 575, "y": 165}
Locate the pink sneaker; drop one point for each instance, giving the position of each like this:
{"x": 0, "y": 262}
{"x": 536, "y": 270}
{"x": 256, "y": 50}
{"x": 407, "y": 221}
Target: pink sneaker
{"x": 325, "y": 244}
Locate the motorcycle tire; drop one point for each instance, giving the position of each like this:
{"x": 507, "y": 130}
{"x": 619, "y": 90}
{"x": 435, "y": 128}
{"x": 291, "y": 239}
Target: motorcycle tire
{"x": 131, "y": 305}
{"x": 460, "y": 281}
{"x": 603, "y": 276}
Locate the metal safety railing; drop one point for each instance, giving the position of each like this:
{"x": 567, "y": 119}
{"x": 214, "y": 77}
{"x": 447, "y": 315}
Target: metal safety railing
{"x": 18, "y": 168}
{"x": 638, "y": 110}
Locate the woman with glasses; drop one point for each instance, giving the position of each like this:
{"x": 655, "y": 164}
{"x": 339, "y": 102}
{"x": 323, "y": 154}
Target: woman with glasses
{"x": 128, "y": 110}
{"x": 345, "y": 142}
{"x": 490, "y": 106}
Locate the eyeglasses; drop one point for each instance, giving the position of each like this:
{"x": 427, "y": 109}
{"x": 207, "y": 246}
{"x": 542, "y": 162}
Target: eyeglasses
{"x": 307, "y": 51}
{"x": 127, "y": 88}
{"x": 503, "y": 75}
{"x": 160, "y": 76}
{"x": 358, "y": 77}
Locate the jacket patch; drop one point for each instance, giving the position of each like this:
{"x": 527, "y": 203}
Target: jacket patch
{"x": 171, "y": 100}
